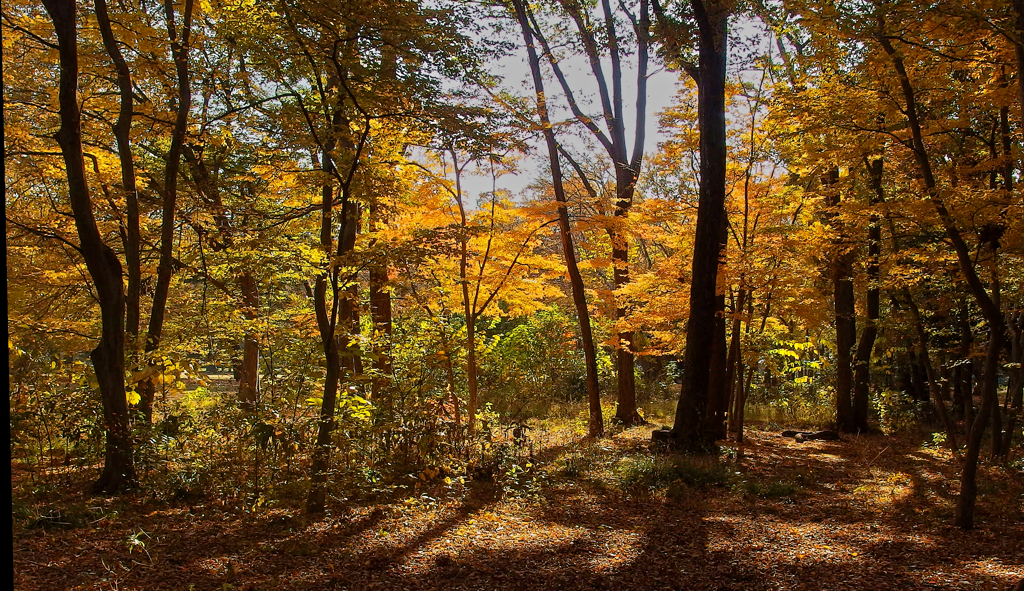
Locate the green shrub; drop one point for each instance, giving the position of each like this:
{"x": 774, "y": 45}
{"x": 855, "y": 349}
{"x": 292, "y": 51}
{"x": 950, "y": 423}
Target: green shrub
{"x": 648, "y": 473}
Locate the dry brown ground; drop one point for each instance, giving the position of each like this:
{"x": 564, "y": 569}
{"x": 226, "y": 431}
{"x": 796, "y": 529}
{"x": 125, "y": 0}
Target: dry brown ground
{"x": 870, "y": 513}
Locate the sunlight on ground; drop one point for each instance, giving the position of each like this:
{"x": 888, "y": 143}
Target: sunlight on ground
{"x": 827, "y": 458}
{"x": 619, "y": 548}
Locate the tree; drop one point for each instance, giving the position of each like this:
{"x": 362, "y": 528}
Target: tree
{"x": 691, "y": 428}
{"x": 104, "y": 267}
{"x": 599, "y": 38}
{"x": 596, "y": 422}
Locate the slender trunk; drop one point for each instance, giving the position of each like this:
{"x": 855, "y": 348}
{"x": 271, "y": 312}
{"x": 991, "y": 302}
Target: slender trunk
{"x": 122, "y": 133}
{"x": 689, "y": 429}
{"x": 380, "y": 313}
{"x": 165, "y": 269}
{"x": 932, "y": 378}
{"x": 734, "y": 371}
{"x": 1015, "y": 387}
{"x": 862, "y": 370}
{"x": 317, "y": 498}
{"x": 467, "y": 304}
{"x": 596, "y": 423}
{"x": 989, "y": 305}
{"x": 102, "y": 263}
{"x": 719, "y": 380}
{"x": 963, "y": 372}
{"x": 969, "y": 478}
{"x": 248, "y": 380}
{"x": 1018, "y": 46}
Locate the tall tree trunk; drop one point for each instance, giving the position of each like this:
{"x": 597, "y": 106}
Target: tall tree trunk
{"x": 596, "y": 423}
{"x": 102, "y": 263}
{"x": 844, "y": 305}
{"x": 862, "y": 369}
{"x": 989, "y": 306}
{"x": 969, "y": 478}
{"x": 599, "y": 47}
{"x": 1018, "y": 46}
{"x": 1015, "y": 387}
{"x": 380, "y": 313}
{"x": 467, "y": 304}
{"x": 734, "y": 370}
{"x": 689, "y": 429}
{"x": 932, "y": 378}
{"x": 248, "y": 380}
{"x": 179, "y": 50}
{"x": 122, "y": 134}
{"x": 720, "y": 380}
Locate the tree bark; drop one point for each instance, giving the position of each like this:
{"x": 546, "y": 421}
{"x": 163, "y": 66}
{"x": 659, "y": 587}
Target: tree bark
{"x": 165, "y": 269}
{"x": 248, "y": 381}
{"x": 844, "y": 306}
{"x": 862, "y": 368}
{"x": 380, "y": 313}
{"x": 596, "y": 422}
{"x": 102, "y": 263}
{"x": 989, "y": 306}
{"x": 690, "y": 427}
{"x": 122, "y": 134}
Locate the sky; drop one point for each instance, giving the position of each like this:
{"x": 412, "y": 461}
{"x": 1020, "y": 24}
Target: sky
{"x": 661, "y": 90}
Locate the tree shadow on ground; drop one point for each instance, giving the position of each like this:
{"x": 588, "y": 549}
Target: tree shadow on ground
{"x": 576, "y": 534}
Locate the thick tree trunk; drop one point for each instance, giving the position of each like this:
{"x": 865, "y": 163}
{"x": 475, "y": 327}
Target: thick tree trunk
{"x": 689, "y": 430}
{"x": 845, "y": 308}
{"x": 596, "y": 423}
{"x": 625, "y": 359}
{"x": 103, "y": 265}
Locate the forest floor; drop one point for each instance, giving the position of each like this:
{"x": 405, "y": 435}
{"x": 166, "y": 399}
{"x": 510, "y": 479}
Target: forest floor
{"x": 864, "y": 513}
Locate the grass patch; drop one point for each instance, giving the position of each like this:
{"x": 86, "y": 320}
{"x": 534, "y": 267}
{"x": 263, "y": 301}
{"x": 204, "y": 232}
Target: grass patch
{"x": 650, "y": 473}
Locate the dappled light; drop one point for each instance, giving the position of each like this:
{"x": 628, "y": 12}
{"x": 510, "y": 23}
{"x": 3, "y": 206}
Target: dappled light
{"x": 542, "y": 295}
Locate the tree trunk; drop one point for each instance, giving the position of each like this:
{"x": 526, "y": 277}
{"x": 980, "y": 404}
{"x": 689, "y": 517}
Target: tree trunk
{"x": 165, "y": 269}
{"x": 963, "y": 373}
{"x": 102, "y": 263}
{"x": 989, "y": 306}
{"x": 862, "y": 370}
{"x": 689, "y": 430}
{"x": 719, "y": 380}
{"x": 249, "y": 374}
{"x": 596, "y": 423}
{"x": 122, "y": 133}
{"x": 380, "y": 313}
{"x": 1015, "y": 387}
{"x": 845, "y": 308}
{"x": 969, "y": 477}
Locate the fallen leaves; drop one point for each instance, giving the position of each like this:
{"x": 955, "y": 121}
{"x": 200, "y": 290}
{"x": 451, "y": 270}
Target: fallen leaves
{"x": 862, "y": 520}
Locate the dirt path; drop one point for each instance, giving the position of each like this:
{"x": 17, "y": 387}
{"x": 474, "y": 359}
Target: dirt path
{"x": 862, "y": 513}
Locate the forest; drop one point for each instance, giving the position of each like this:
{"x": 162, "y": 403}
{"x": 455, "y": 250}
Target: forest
{"x": 510, "y": 294}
